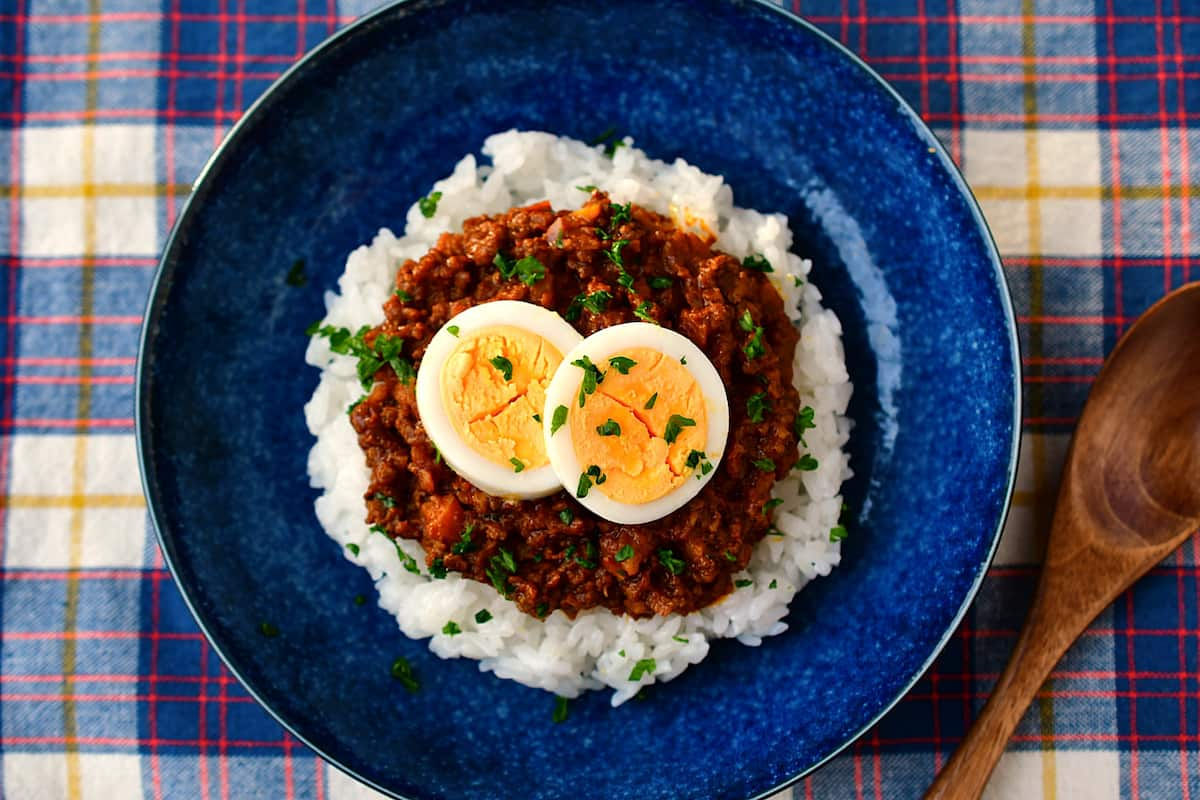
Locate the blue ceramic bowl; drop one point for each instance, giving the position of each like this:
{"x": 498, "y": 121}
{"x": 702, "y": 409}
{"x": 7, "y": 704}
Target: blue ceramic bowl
{"x": 342, "y": 145}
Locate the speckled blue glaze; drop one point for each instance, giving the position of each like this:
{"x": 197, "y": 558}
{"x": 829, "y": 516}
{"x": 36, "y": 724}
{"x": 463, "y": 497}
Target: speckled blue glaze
{"x": 341, "y": 146}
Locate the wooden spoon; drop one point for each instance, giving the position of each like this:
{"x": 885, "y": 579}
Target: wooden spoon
{"x": 1130, "y": 495}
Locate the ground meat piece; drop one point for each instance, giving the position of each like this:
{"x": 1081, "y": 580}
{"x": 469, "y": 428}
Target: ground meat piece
{"x": 561, "y": 555}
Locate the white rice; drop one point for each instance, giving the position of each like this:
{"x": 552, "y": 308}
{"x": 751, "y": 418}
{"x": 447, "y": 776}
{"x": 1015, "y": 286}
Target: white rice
{"x": 597, "y": 648}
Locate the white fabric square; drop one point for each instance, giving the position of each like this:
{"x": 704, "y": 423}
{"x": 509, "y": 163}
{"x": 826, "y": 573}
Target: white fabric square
{"x": 1069, "y": 158}
{"x": 42, "y": 465}
{"x": 52, "y": 156}
{"x": 995, "y": 158}
{"x": 1009, "y": 221}
{"x": 1091, "y": 774}
{"x": 112, "y": 466}
{"x": 52, "y": 226}
{"x": 113, "y": 538}
{"x": 343, "y": 787}
{"x": 37, "y": 538}
{"x": 124, "y": 154}
{"x": 1070, "y": 227}
{"x": 127, "y": 225}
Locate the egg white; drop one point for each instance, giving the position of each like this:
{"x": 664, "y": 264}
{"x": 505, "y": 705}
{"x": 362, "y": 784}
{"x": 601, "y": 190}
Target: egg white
{"x": 458, "y": 455}
{"x": 564, "y": 389}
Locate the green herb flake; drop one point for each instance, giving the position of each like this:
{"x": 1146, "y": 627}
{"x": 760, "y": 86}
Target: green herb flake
{"x": 754, "y": 348}
{"x": 592, "y": 377}
{"x": 451, "y": 628}
{"x": 504, "y": 365}
{"x": 730, "y": 557}
{"x": 660, "y": 282}
{"x": 537, "y": 417}
{"x": 672, "y": 562}
{"x": 558, "y": 419}
{"x": 452, "y": 330}
{"x": 387, "y": 501}
{"x": 642, "y": 312}
{"x": 803, "y": 422}
{"x": 353, "y": 548}
{"x": 438, "y": 569}
{"x": 610, "y": 428}
{"x": 596, "y": 474}
{"x": 614, "y": 255}
{"x": 506, "y": 266}
{"x": 429, "y": 204}
{"x": 757, "y": 263}
{"x": 622, "y": 364}
{"x": 541, "y": 610}
{"x": 587, "y": 561}
{"x": 644, "y": 666}
{"x": 764, "y": 464}
{"x": 624, "y": 554}
{"x": 567, "y": 516}
{"x": 619, "y": 213}
{"x": 771, "y": 504}
{"x": 694, "y": 458}
{"x": 482, "y": 616}
{"x": 837, "y": 533}
{"x": 295, "y": 275}
{"x": 402, "y": 671}
{"x": 595, "y": 302}
{"x": 530, "y": 270}
{"x": 518, "y": 464}
{"x": 464, "y": 545}
{"x": 589, "y": 188}
{"x": 585, "y": 485}
{"x": 675, "y": 424}
{"x": 403, "y": 296}
{"x": 757, "y": 405}
{"x": 650, "y": 403}
{"x": 350, "y": 408}
{"x": 743, "y": 583}
{"x": 706, "y": 468}
{"x": 385, "y": 350}
{"x": 746, "y": 322}
{"x": 774, "y": 583}
{"x": 680, "y": 639}
{"x": 506, "y": 558}
{"x": 683, "y": 360}
{"x": 268, "y": 630}
{"x": 806, "y": 463}
{"x": 561, "y": 709}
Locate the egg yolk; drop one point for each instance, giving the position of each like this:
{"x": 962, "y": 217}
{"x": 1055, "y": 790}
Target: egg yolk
{"x": 638, "y": 463}
{"x": 493, "y": 389}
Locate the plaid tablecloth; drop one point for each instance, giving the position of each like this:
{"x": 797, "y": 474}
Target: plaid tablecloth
{"x": 1073, "y": 121}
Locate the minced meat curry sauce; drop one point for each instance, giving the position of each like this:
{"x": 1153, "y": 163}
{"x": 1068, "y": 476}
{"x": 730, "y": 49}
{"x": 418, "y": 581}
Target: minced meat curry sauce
{"x": 551, "y": 553}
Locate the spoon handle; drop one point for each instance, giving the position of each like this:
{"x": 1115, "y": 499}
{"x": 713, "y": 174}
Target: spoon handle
{"x": 1061, "y": 611}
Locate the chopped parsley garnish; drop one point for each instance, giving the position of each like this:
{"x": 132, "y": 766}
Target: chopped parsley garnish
{"x": 773, "y": 584}
{"x": 353, "y": 548}
{"x": 806, "y": 463}
{"x": 595, "y": 302}
{"x": 764, "y": 464}
{"x": 588, "y": 562}
{"x": 499, "y": 568}
{"x": 429, "y": 204}
{"x": 592, "y": 377}
{"x": 694, "y": 458}
{"x": 464, "y": 545}
{"x": 295, "y": 275}
{"x": 610, "y": 428}
{"x": 451, "y": 628}
{"x": 837, "y": 533}
{"x": 771, "y": 504}
{"x": 660, "y": 282}
{"x": 730, "y": 557}
{"x": 644, "y": 666}
{"x": 268, "y": 630}
{"x": 350, "y": 408}
{"x": 797, "y": 281}
{"x": 585, "y": 485}
{"x": 743, "y": 583}
{"x": 402, "y": 671}
{"x": 407, "y": 561}
{"x": 537, "y": 417}
{"x": 541, "y": 610}
{"x": 757, "y": 405}
{"x": 614, "y": 255}
{"x": 625, "y": 279}
{"x": 360, "y": 600}
{"x": 746, "y": 322}
{"x": 561, "y": 710}
{"x": 385, "y": 350}
{"x": 803, "y": 422}
{"x": 622, "y": 364}
{"x": 650, "y": 403}
{"x": 624, "y": 554}
{"x": 453, "y": 330}
{"x": 530, "y": 270}
{"x": 567, "y": 516}
{"x": 506, "y": 558}
{"x": 518, "y": 464}
{"x": 683, "y": 360}
{"x": 558, "y": 419}
{"x": 619, "y": 213}
{"x": 437, "y": 455}
{"x": 504, "y": 365}
{"x": 672, "y": 562}
{"x": 757, "y": 263}
{"x": 589, "y": 188}
{"x": 482, "y": 616}
{"x": 642, "y": 312}
{"x": 403, "y": 296}
{"x": 387, "y": 501}
{"x": 754, "y": 348}
{"x": 438, "y": 569}
{"x": 592, "y": 477}
{"x": 680, "y": 639}
{"x": 675, "y": 424}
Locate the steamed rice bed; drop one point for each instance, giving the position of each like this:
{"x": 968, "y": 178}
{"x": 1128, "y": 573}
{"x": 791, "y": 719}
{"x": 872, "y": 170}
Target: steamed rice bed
{"x": 596, "y": 648}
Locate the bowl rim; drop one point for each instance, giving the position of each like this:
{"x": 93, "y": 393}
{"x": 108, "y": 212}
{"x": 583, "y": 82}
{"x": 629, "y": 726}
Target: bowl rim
{"x": 163, "y": 278}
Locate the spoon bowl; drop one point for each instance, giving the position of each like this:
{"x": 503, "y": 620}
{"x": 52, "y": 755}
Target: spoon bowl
{"x": 1130, "y": 495}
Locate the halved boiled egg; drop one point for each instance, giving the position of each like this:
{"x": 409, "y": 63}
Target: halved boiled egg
{"x": 480, "y": 391}
{"x": 635, "y": 422}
